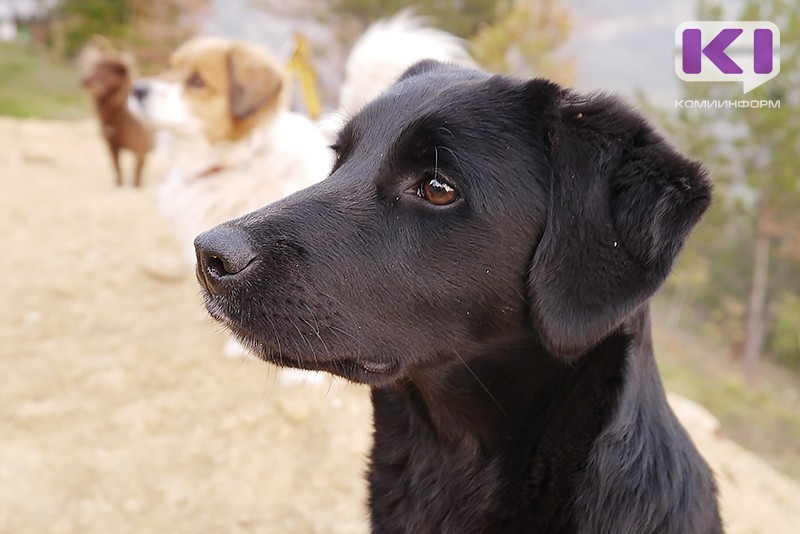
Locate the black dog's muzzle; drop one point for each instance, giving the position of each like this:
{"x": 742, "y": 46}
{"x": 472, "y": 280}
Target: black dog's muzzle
{"x": 224, "y": 256}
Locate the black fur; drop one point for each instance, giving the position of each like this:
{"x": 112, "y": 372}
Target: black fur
{"x": 506, "y": 335}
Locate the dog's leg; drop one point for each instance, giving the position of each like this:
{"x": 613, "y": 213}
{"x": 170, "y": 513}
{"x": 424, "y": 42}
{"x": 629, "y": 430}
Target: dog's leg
{"x": 114, "y": 149}
{"x": 137, "y": 176}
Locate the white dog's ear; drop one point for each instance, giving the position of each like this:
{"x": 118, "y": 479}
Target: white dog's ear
{"x": 254, "y": 82}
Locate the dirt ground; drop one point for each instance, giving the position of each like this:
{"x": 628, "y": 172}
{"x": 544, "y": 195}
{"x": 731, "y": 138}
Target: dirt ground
{"x": 118, "y": 412}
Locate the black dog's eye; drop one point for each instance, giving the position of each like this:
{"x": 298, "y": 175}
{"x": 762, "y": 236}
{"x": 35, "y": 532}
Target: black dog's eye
{"x": 337, "y": 154}
{"x": 437, "y": 190}
{"x": 196, "y": 81}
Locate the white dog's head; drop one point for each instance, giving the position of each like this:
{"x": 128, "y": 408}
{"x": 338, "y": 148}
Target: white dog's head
{"x": 218, "y": 88}
{"x": 387, "y": 49}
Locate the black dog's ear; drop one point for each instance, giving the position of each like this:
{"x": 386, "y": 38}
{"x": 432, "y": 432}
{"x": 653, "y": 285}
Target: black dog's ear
{"x": 432, "y": 66}
{"x": 421, "y": 67}
{"x": 621, "y": 202}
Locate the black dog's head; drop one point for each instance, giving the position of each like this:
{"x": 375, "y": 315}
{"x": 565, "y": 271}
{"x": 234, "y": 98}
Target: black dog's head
{"x": 464, "y": 211}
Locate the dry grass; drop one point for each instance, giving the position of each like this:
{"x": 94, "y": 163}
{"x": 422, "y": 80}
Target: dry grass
{"x": 39, "y": 86}
{"x": 118, "y": 412}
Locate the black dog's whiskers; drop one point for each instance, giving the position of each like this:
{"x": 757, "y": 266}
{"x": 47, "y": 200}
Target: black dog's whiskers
{"x": 455, "y": 157}
{"x": 277, "y": 340}
{"x": 480, "y": 382}
{"x": 447, "y": 131}
{"x": 305, "y": 340}
{"x": 315, "y": 328}
{"x": 333, "y": 330}
{"x": 359, "y": 344}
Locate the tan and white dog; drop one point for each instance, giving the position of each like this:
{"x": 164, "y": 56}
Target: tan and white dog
{"x": 231, "y": 142}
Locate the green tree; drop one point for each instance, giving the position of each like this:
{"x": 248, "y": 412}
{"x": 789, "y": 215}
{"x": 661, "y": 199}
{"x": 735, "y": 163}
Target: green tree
{"x": 750, "y": 234}
{"x": 150, "y": 30}
{"x": 459, "y": 17}
{"x": 158, "y": 28}
{"x": 81, "y": 19}
{"x": 517, "y": 37}
{"x": 522, "y": 39}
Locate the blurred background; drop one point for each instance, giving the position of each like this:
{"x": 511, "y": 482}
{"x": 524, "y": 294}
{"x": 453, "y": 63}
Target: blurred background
{"x": 117, "y": 413}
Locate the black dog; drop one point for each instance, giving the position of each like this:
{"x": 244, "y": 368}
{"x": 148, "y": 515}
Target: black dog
{"x": 482, "y": 255}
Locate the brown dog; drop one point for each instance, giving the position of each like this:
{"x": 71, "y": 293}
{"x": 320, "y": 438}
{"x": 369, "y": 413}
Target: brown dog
{"x": 109, "y": 82}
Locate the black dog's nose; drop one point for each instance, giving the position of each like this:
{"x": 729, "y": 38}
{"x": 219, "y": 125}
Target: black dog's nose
{"x": 224, "y": 255}
{"x": 140, "y": 90}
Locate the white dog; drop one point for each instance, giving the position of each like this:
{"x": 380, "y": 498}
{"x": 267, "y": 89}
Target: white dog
{"x": 387, "y": 49}
{"x": 382, "y": 54}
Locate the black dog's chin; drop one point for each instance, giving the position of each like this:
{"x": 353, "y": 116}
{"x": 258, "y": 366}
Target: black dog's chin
{"x": 369, "y": 373}
{"x": 360, "y": 371}
{"x": 372, "y": 372}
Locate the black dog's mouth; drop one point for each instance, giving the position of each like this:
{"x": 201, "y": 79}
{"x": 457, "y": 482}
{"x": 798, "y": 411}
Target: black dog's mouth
{"x": 366, "y": 372}
{"x": 362, "y": 370}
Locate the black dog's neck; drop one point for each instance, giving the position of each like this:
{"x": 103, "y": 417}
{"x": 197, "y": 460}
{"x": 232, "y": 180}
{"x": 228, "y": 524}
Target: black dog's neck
{"x": 516, "y": 422}
{"x": 517, "y": 391}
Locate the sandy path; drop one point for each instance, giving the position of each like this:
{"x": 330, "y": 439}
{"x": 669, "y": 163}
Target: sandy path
{"x": 117, "y": 412}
